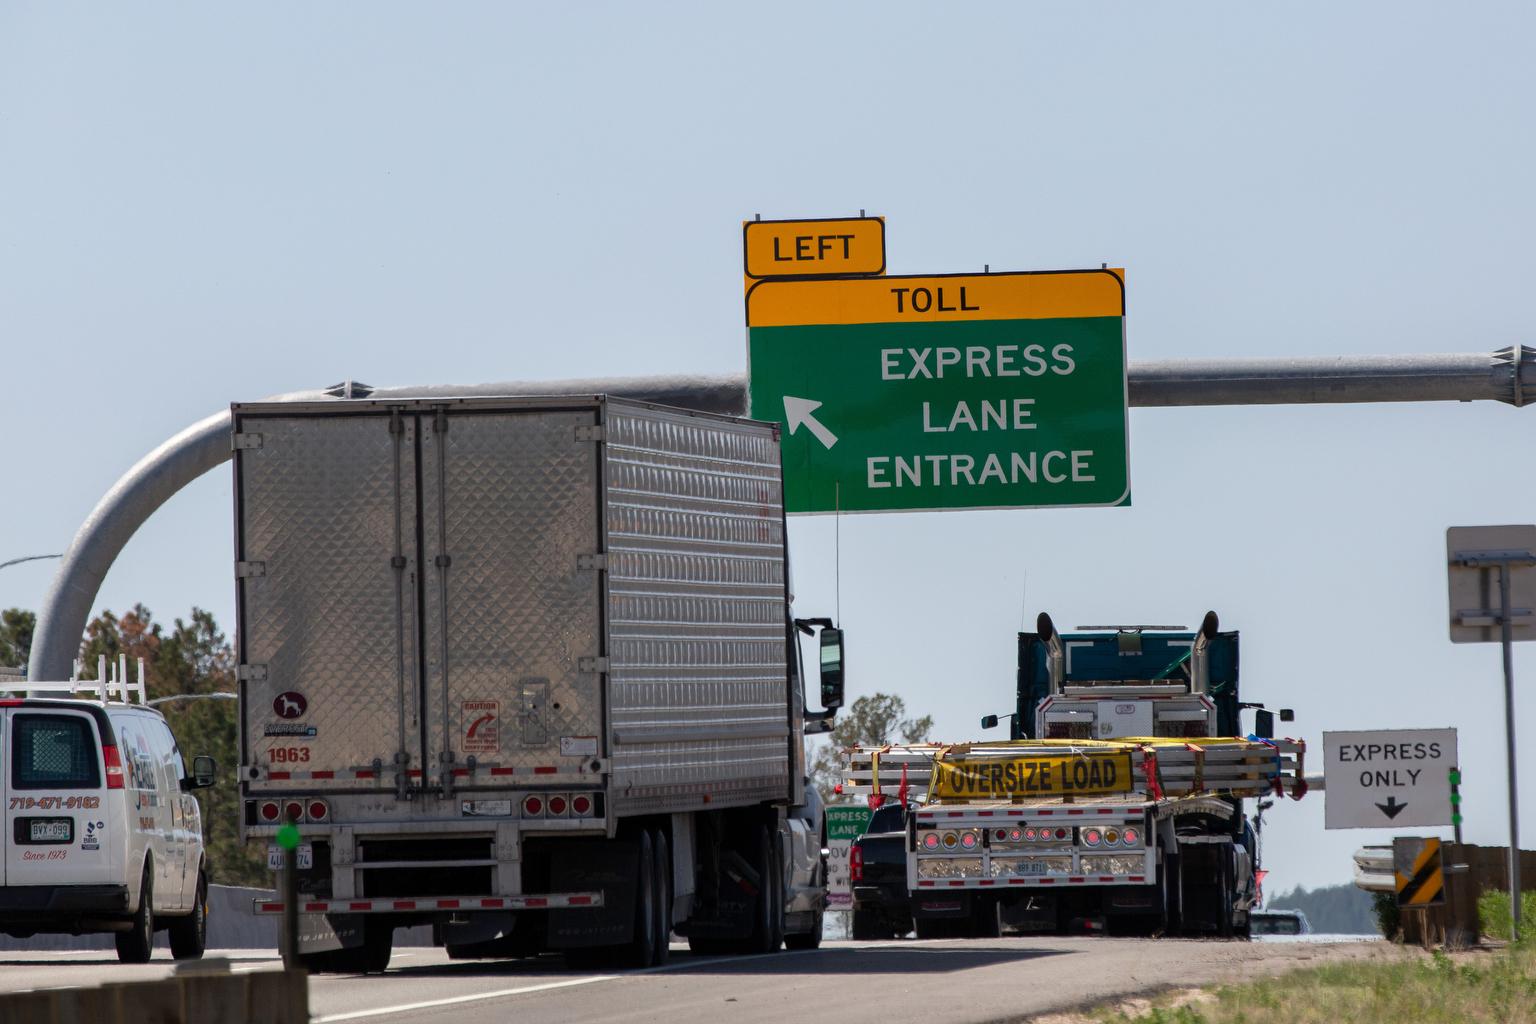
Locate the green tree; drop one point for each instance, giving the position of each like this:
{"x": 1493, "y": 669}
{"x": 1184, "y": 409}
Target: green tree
{"x": 192, "y": 657}
{"x": 875, "y": 720}
{"x": 16, "y": 628}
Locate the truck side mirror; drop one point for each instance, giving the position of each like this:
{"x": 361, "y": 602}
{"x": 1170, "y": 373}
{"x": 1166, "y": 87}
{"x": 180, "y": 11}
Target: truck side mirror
{"x": 989, "y": 721}
{"x": 831, "y": 668}
{"x": 204, "y": 772}
{"x": 1287, "y": 715}
{"x": 1264, "y": 724}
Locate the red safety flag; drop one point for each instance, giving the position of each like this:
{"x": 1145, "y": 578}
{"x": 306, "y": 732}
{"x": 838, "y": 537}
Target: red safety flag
{"x": 901, "y": 790}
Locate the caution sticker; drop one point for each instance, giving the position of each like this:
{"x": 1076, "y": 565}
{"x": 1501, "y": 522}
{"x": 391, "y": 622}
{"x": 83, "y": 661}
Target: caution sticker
{"x": 1072, "y": 775}
{"x": 482, "y": 726}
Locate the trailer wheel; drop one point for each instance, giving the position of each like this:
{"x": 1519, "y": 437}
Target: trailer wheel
{"x": 662, "y": 855}
{"x": 640, "y": 951}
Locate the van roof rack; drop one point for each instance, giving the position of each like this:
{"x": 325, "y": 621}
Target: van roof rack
{"x": 108, "y": 687}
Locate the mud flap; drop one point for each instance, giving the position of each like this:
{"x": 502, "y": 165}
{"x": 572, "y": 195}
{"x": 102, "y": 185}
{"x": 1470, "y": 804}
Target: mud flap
{"x": 609, "y": 866}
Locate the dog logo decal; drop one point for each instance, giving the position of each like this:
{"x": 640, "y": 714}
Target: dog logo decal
{"x": 290, "y": 705}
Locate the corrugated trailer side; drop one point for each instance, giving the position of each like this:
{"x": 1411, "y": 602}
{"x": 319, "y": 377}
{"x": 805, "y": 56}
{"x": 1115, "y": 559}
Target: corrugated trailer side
{"x": 699, "y": 691}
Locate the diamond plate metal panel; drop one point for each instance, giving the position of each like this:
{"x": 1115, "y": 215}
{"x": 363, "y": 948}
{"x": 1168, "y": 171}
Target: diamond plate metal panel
{"x": 323, "y": 507}
{"x": 511, "y": 499}
{"x": 697, "y": 620}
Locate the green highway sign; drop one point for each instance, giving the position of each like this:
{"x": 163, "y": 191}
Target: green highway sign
{"x": 846, "y": 822}
{"x": 944, "y": 392}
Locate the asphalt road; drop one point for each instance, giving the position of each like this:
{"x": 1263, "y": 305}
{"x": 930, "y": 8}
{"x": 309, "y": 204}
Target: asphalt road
{"x": 935, "y": 982}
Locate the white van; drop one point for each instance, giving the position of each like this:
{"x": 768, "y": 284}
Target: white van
{"x": 102, "y": 833}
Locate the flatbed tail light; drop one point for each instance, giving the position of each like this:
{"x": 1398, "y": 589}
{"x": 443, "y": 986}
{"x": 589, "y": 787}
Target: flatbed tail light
{"x": 113, "y": 764}
{"x": 968, "y": 840}
{"x": 855, "y": 864}
{"x": 1130, "y": 836}
{"x": 581, "y": 805}
{"x": 931, "y": 841}
{"x": 1091, "y": 836}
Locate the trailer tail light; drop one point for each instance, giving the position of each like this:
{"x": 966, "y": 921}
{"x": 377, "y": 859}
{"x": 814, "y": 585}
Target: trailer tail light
{"x": 931, "y": 841}
{"x": 968, "y": 840}
{"x": 318, "y": 811}
{"x": 581, "y": 805}
{"x": 533, "y": 807}
{"x": 1130, "y": 837}
{"x": 1030, "y": 834}
{"x": 293, "y": 811}
{"x": 269, "y": 810}
{"x": 113, "y": 764}
{"x": 1014, "y": 835}
{"x": 1001, "y": 835}
{"x": 951, "y": 840}
{"x": 557, "y": 806}
{"x": 855, "y": 864}
{"x": 1061, "y": 833}
{"x": 1091, "y": 837}
{"x": 1111, "y": 836}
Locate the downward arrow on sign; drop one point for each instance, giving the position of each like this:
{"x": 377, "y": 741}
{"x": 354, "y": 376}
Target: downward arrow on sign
{"x": 797, "y": 412}
{"x": 1391, "y": 808}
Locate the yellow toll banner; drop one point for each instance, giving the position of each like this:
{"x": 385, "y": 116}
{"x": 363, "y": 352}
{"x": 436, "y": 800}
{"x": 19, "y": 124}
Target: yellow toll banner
{"x": 1082, "y": 774}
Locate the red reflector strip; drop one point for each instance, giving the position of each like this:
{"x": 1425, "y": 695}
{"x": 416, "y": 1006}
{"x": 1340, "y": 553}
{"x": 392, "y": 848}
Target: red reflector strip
{"x": 447, "y": 904}
{"x": 493, "y": 904}
{"x": 1076, "y": 810}
{"x": 365, "y": 773}
{"x": 315, "y": 908}
{"x": 364, "y": 905}
{"x": 984, "y": 814}
{"x": 1047, "y": 881}
{"x": 987, "y": 881}
{"x": 1106, "y": 878}
{"x": 461, "y": 773}
{"x": 1137, "y": 878}
{"x": 956, "y": 814}
{"x": 281, "y": 776}
{"x": 581, "y": 901}
{"x": 323, "y": 775}
{"x": 1078, "y": 879}
{"x": 405, "y": 904}
{"x": 925, "y": 884}
{"x": 535, "y": 901}
{"x": 545, "y": 771}
{"x": 503, "y": 771}
{"x": 1045, "y": 812}
{"x": 413, "y": 773}
{"x": 269, "y": 908}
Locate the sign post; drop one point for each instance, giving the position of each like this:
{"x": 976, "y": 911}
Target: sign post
{"x": 921, "y": 393}
{"x": 1389, "y": 778}
{"x": 1474, "y": 556}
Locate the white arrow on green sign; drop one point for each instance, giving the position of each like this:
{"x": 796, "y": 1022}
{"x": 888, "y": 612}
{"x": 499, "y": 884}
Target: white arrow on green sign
{"x": 944, "y": 392}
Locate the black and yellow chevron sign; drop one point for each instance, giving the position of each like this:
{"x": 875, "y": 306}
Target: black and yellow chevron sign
{"x": 1416, "y": 864}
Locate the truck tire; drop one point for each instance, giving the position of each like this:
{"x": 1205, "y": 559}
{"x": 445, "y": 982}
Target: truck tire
{"x": 662, "y": 854}
{"x": 640, "y": 950}
{"x": 768, "y": 920}
{"x": 189, "y": 935}
{"x": 137, "y": 945}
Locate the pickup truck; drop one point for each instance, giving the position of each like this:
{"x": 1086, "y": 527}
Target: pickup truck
{"x": 877, "y": 868}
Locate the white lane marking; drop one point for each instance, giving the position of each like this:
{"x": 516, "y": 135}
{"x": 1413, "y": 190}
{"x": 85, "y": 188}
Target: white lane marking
{"x": 459, "y": 1000}
{"x": 570, "y": 983}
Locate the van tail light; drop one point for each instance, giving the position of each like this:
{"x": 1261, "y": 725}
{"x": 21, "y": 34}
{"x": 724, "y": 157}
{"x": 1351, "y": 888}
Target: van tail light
{"x": 293, "y": 811}
{"x": 533, "y": 807}
{"x": 269, "y": 810}
{"x": 113, "y": 764}
{"x": 581, "y": 804}
{"x": 557, "y": 806}
{"x": 318, "y": 811}
{"x": 856, "y": 864}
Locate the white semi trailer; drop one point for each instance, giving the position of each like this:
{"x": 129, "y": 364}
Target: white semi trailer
{"x": 525, "y": 670}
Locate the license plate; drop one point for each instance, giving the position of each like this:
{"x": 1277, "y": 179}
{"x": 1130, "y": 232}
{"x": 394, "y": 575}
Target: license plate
{"x": 51, "y": 830}
{"x": 1031, "y": 867}
{"x": 306, "y": 856}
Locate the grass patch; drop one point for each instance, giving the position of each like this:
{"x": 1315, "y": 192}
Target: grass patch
{"x": 1493, "y": 911}
{"x": 1496, "y": 988}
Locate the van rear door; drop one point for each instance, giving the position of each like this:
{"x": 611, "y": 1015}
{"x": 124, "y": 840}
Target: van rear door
{"x": 55, "y": 798}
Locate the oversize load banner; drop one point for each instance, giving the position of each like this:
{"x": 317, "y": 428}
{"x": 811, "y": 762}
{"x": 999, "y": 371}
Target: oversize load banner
{"x": 1070, "y": 775}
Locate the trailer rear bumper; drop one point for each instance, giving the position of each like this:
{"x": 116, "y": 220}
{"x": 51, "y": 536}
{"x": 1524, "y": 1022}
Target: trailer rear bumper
{"x": 437, "y": 904}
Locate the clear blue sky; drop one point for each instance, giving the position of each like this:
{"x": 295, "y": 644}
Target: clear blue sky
{"x": 203, "y": 204}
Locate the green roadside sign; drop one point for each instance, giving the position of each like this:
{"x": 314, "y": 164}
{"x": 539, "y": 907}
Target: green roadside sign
{"x": 846, "y": 821}
{"x": 944, "y": 392}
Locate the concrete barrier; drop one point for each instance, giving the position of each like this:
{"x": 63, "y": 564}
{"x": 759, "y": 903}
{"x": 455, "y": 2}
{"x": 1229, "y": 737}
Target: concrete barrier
{"x": 209, "y": 993}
